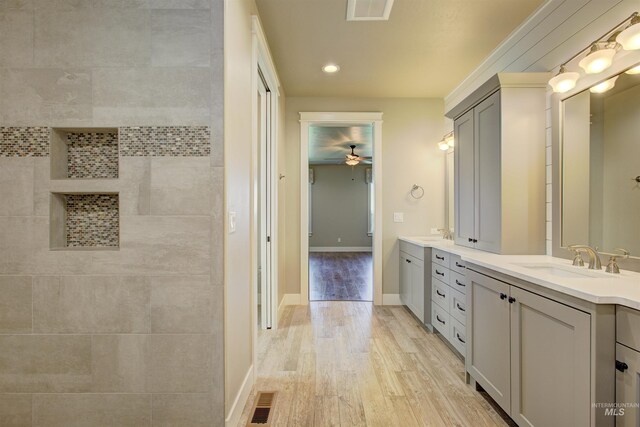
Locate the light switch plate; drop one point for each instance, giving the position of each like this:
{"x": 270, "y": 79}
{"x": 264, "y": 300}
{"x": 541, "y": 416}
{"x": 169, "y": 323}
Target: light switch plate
{"x": 232, "y": 222}
{"x": 398, "y": 217}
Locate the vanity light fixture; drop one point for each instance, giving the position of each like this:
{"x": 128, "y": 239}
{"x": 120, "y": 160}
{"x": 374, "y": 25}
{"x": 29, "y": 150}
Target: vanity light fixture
{"x": 634, "y": 70}
{"x": 629, "y": 38}
{"x": 564, "y": 81}
{"x": 604, "y": 86}
{"x": 449, "y": 139}
{"x": 443, "y": 145}
{"x": 598, "y": 59}
{"x": 331, "y": 68}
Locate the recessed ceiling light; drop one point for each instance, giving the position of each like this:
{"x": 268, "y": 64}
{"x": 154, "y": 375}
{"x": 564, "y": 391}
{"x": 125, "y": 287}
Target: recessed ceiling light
{"x": 330, "y": 68}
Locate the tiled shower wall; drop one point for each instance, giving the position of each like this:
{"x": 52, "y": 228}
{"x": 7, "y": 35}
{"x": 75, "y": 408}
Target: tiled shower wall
{"x": 133, "y": 336}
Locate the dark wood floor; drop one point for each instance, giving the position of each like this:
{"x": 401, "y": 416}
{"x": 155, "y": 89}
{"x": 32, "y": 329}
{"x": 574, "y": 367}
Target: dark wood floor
{"x": 340, "y": 276}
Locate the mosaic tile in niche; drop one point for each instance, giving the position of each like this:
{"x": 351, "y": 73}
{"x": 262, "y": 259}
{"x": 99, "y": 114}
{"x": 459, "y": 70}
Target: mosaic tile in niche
{"x": 92, "y": 155}
{"x": 24, "y": 141}
{"x": 177, "y": 141}
{"x": 92, "y": 220}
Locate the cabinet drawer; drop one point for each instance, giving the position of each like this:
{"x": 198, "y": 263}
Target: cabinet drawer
{"x": 457, "y": 265}
{"x": 413, "y": 250}
{"x": 440, "y": 294}
{"x": 440, "y": 257}
{"x": 459, "y": 337}
{"x": 440, "y": 272}
{"x": 628, "y": 327}
{"x": 440, "y": 321}
{"x": 457, "y": 306}
{"x": 458, "y": 282}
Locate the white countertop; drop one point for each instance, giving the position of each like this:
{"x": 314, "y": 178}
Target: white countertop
{"x": 596, "y": 286}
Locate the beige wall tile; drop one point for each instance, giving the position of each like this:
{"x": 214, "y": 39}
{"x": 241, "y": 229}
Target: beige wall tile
{"x": 179, "y": 364}
{"x": 16, "y": 38}
{"x": 217, "y": 226}
{"x": 135, "y": 185}
{"x": 16, "y": 185}
{"x": 179, "y": 4}
{"x": 83, "y": 38}
{"x": 119, "y": 363}
{"x": 180, "y": 186}
{"x": 92, "y": 410}
{"x": 15, "y": 304}
{"x": 181, "y": 304}
{"x": 86, "y": 304}
{"x": 41, "y": 194}
{"x": 16, "y": 5}
{"x": 45, "y": 363}
{"x": 180, "y": 38}
{"x": 44, "y": 97}
{"x": 179, "y": 410}
{"x": 15, "y": 410}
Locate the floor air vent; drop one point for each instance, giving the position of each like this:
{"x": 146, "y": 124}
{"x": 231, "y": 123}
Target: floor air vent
{"x": 262, "y": 410}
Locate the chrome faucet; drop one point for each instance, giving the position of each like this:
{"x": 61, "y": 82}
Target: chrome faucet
{"x": 594, "y": 258}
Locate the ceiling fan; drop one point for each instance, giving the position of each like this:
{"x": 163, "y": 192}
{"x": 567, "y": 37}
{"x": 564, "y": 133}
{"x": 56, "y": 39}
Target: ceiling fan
{"x": 352, "y": 158}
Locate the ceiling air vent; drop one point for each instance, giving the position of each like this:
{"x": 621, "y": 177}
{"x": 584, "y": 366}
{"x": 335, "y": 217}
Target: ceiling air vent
{"x": 368, "y": 10}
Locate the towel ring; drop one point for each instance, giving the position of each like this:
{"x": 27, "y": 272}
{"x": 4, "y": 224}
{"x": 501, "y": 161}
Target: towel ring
{"x": 417, "y": 189}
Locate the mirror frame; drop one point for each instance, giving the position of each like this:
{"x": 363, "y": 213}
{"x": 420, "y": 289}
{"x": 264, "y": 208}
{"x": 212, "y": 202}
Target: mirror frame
{"x": 622, "y": 62}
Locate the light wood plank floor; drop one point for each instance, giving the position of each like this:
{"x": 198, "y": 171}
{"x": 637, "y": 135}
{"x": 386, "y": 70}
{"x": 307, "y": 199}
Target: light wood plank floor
{"x": 343, "y": 363}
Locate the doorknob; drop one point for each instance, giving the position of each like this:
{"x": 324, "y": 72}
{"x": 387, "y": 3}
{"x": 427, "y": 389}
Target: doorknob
{"x": 621, "y": 366}
{"x": 503, "y": 296}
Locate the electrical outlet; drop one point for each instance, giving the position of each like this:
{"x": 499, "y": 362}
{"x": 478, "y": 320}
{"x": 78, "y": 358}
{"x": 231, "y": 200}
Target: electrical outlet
{"x": 398, "y": 217}
{"x": 232, "y": 222}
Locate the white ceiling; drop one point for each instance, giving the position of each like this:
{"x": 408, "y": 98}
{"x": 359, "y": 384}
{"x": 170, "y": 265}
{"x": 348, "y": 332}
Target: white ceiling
{"x": 330, "y": 144}
{"x": 425, "y": 49}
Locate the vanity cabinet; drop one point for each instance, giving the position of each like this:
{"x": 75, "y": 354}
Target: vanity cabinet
{"x": 499, "y": 157}
{"x": 412, "y": 279}
{"x": 536, "y": 356}
{"x": 627, "y": 367}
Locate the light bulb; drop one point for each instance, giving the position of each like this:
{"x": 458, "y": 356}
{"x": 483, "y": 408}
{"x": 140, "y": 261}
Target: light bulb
{"x": 597, "y": 60}
{"x": 564, "y": 81}
{"x": 330, "y": 68}
{"x": 449, "y": 140}
{"x": 604, "y": 86}
{"x": 634, "y": 70}
{"x": 352, "y": 162}
{"x": 629, "y": 38}
{"x": 443, "y": 145}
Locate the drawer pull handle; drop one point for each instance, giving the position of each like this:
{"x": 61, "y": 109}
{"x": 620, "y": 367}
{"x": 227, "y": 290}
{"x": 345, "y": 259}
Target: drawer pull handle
{"x": 470, "y": 240}
{"x": 440, "y": 320}
{"x": 621, "y": 366}
{"x": 441, "y": 258}
{"x": 408, "y": 260}
{"x": 459, "y": 284}
{"x": 438, "y": 273}
{"x": 438, "y": 292}
{"x": 460, "y": 339}
{"x": 459, "y": 265}
{"x": 512, "y": 300}
{"x": 503, "y": 296}
{"x": 460, "y": 308}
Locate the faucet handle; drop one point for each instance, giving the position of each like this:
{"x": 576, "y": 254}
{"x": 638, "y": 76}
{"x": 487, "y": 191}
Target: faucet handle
{"x": 612, "y": 266}
{"x": 625, "y": 253}
{"x": 577, "y": 259}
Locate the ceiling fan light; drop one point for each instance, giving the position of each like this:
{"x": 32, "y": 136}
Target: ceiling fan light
{"x": 564, "y": 81}
{"x": 604, "y": 86}
{"x": 598, "y": 59}
{"x": 352, "y": 162}
{"x": 634, "y": 70}
{"x": 629, "y": 38}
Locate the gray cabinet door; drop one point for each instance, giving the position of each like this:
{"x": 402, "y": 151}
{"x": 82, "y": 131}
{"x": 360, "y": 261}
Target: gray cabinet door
{"x": 628, "y": 387}
{"x": 488, "y": 336}
{"x": 487, "y": 168}
{"x": 405, "y": 279}
{"x": 550, "y": 362}
{"x": 464, "y": 197}
{"x": 417, "y": 288}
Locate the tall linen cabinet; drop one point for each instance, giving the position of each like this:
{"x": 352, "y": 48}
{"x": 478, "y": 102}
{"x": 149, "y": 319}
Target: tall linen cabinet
{"x": 500, "y": 165}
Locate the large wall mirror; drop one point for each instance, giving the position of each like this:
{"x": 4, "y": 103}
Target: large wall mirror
{"x": 600, "y": 168}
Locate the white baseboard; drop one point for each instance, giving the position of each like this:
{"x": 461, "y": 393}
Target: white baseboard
{"x": 289, "y": 299}
{"x": 240, "y": 401}
{"x": 340, "y": 249}
{"x": 391, "y": 299}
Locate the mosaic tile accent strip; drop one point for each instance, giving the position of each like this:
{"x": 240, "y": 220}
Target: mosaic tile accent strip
{"x": 92, "y": 155}
{"x": 24, "y": 141}
{"x": 176, "y": 141}
{"x": 92, "y": 220}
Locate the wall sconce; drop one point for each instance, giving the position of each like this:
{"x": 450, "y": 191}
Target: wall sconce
{"x": 601, "y": 54}
{"x": 446, "y": 142}
{"x": 604, "y": 86}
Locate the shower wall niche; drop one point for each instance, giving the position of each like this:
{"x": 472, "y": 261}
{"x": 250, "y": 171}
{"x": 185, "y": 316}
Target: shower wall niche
{"x": 84, "y": 153}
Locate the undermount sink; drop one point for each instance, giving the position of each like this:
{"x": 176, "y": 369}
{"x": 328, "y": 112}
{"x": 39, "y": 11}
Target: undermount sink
{"x": 561, "y": 270}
